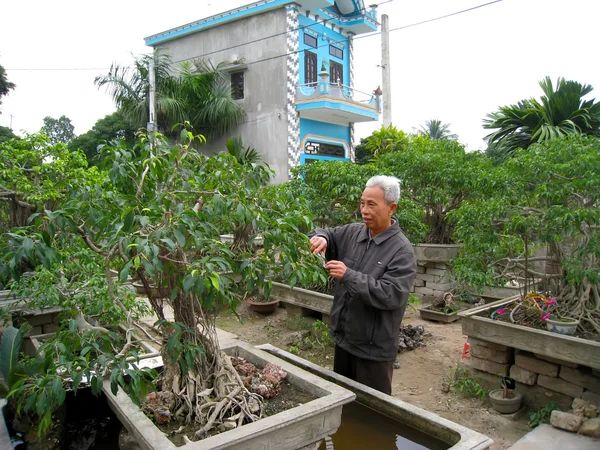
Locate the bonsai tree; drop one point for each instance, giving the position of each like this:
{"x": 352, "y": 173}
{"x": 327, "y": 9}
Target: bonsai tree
{"x": 156, "y": 218}
{"x": 540, "y": 224}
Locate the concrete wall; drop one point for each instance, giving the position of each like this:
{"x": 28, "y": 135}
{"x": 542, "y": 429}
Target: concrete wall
{"x": 264, "y": 102}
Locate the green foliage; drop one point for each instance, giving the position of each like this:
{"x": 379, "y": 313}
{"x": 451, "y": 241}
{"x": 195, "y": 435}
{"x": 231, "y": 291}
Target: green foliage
{"x": 560, "y": 112}
{"x": 546, "y": 197}
{"x": 58, "y": 130}
{"x": 461, "y": 381}
{"x": 413, "y": 301}
{"x": 73, "y": 360}
{"x": 542, "y": 415}
{"x": 5, "y": 85}
{"x": 113, "y": 126}
{"x": 199, "y": 92}
{"x": 298, "y": 322}
{"x": 385, "y": 140}
{"x": 10, "y": 347}
{"x": 243, "y": 155}
{"x": 436, "y": 130}
{"x": 6, "y": 134}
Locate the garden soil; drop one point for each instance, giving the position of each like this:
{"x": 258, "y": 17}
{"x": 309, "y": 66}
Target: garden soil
{"x": 419, "y": 381}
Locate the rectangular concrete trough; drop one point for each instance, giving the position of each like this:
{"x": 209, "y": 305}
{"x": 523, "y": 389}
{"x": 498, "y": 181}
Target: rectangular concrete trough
{"x": 297, "y": 428}
{"x": 456, "y": 436}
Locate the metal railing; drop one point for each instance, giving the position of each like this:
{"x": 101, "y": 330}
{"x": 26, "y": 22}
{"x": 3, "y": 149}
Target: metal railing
{"x": 336, "y": 90}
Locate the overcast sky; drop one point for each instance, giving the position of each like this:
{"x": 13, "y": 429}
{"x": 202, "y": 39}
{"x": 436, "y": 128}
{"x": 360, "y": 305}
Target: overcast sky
{"x": 456, "y": 69}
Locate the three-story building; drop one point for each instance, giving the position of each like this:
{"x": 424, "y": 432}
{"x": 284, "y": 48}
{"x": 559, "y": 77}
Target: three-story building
{"x": 291, "y": 68}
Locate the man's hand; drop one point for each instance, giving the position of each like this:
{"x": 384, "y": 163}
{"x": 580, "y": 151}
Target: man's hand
{"x": 336, "y": 269}
{"x": 318, "y": 244}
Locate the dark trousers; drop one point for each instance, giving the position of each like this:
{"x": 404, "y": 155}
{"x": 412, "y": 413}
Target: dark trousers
{"x": 375, "y": 374}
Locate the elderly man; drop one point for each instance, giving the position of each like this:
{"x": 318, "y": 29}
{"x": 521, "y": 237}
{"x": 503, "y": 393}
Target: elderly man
{"x": 374, "y": 266}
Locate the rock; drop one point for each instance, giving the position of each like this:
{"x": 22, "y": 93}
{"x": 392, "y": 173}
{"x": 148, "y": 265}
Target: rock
{"x": 591, "y": 427}
{"x": 226, "y": 426}
{"x": 566, "y": 421}
{"x": 297, "y": 337}
{"x": 397, "y": 364}
{"x": 578, "y": 403}
{"x": 410, "y": 337}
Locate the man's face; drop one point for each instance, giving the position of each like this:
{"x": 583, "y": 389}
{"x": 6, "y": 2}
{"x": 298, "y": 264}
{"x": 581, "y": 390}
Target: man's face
{"x": 376, "y": 213}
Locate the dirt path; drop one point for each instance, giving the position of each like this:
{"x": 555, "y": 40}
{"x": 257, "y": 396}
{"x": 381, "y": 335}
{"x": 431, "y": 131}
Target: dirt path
{"x": 418, "y": 381}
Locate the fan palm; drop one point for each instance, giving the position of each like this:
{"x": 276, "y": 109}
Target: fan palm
{"x": 198, "y": 92}
{"x": 559, "y": 112}
{"x": 437, "y": 130}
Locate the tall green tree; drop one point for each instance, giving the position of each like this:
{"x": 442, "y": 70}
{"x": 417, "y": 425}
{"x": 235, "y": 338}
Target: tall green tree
{"x": 5, "y": 85}
{"x": 559, "y": 112}
{"x": 6, "y": 134}
{"x": 197, "y": 92}
{"x": 58, "y": 130}
{"x": 435, "y": 129}
{"x": 112, "y": 126}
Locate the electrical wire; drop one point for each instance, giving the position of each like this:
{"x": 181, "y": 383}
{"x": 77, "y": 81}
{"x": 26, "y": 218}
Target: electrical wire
{"x": 289, "y": 53}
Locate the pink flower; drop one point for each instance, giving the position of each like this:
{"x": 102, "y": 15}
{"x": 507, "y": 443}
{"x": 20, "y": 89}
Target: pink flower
{"x": 545, "y": 317}
{"x": 551, "y": 301}
{"x": 501, "y": 311}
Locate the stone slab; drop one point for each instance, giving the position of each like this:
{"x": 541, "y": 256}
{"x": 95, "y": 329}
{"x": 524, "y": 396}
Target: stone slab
{"x": 441, "y": 265}
{"x": 536, "y": 397}
{"x": 566, "y": 421}
{"x": 561, "y": 386}
{"x": 487, "y": 366}
{"x": 591, "y": 397}
{"x": 435, "y": 271}
{"x": 547, "y": 437}
{"x": 491, "y": 354}
{"x": 581, "y": 377}
{"x": 481, "y": 342}
{"x": 591, "y": 427}
{"x": 419, "y": 283}
{"x": 530, "y": 362}
{"x": 420, "y": 269}
{"x": 523, "y": 375}
{"x": 556, "y": 361}
{"x": 440, "y": 286}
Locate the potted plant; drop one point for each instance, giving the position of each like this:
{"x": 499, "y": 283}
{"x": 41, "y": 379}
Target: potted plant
{"x": 562, "y": 325}
{"x": 161, "y": 225}
{"x": 540, "y": 225}
{"x": 506, "y": 400}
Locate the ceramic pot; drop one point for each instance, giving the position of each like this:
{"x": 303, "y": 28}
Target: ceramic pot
{"x": 562, "y": 327}
{"x": 263, "y": 307}
{"x": 505, "y": 405}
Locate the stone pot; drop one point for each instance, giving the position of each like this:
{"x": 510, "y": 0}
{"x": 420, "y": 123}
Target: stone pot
{"x": 505, "y": 405}
{"x": 565, "y": 326}
{"x": 159, "y": 293}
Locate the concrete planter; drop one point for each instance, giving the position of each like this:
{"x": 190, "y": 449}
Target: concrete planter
{"x": 428, "y": 313}
{"x": 456, "y": 436}
{"x": 436, "y": 252}
{"x": 505, "y": 405}
{"x": 297, "y": 428}
{"x": 553, "y": 345}
{"x": 302, "y": 298}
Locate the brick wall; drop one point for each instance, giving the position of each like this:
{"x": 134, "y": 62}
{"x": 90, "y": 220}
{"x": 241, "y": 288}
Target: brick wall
{"x": 432, "y": 280}
{"x": 540, "y": 379}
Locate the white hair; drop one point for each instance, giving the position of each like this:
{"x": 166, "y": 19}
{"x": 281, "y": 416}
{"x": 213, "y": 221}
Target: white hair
{"x": 389, "y": 185}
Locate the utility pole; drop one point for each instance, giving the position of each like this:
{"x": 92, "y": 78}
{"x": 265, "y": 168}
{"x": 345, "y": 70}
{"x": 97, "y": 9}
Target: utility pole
{"x": 11, "y": 118}
{"x": 385, "y": 71}
{"x": 151, "y": 126}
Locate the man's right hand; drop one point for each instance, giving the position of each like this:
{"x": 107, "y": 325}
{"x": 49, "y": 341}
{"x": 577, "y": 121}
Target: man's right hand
{"x": 318, "y": 244}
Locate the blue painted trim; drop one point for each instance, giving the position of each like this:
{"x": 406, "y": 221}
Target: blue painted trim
{"x": 304, "y": 157}
{"x": 338, "y": 106}
{"x": 219, "y": 19}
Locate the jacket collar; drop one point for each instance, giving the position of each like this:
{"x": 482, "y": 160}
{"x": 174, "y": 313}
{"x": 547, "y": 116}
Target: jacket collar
{"x": 392, "y": 230}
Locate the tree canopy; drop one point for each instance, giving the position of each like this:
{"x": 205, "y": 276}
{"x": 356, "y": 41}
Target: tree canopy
{"x": 5, "y": 85}
{"x": 559, "y": 112}
{"x": 58, "y": 130}
{"x": 197, "y": 92}
{"x": 436, "y": 130}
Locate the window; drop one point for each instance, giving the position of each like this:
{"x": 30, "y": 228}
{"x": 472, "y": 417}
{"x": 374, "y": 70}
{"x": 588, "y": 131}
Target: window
{"x": 337, "y": 72}
{"x": 337, "y": 52}
{"x": 309, "y": 40}
{"x": 310, "y": 67}
{"x": 237, "y": 85}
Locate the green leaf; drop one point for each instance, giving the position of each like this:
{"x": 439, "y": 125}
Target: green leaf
{"x": 128, "y": 222}
{"x": 96, "y": 385}
{"x": 76, "y": 381}
{"x": 180, "y": 238}
{"x": 188, "y": 283}
{"x": 124, "y": 272}
{"x": 169, "y": 243}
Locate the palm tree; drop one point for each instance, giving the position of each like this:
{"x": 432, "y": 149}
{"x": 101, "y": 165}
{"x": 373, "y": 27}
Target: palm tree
{"x": 559, "y": 112}
{"x": 197, "y": 92}
{"x": 435, "y": 129}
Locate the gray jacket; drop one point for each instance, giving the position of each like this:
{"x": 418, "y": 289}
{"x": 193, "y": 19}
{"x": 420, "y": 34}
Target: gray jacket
{"x": 370, "y": 300}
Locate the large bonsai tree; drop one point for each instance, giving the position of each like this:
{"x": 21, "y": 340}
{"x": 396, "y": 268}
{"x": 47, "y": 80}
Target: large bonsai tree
{"x": 156, "y": 220}
{"x": 540, "y": 223}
